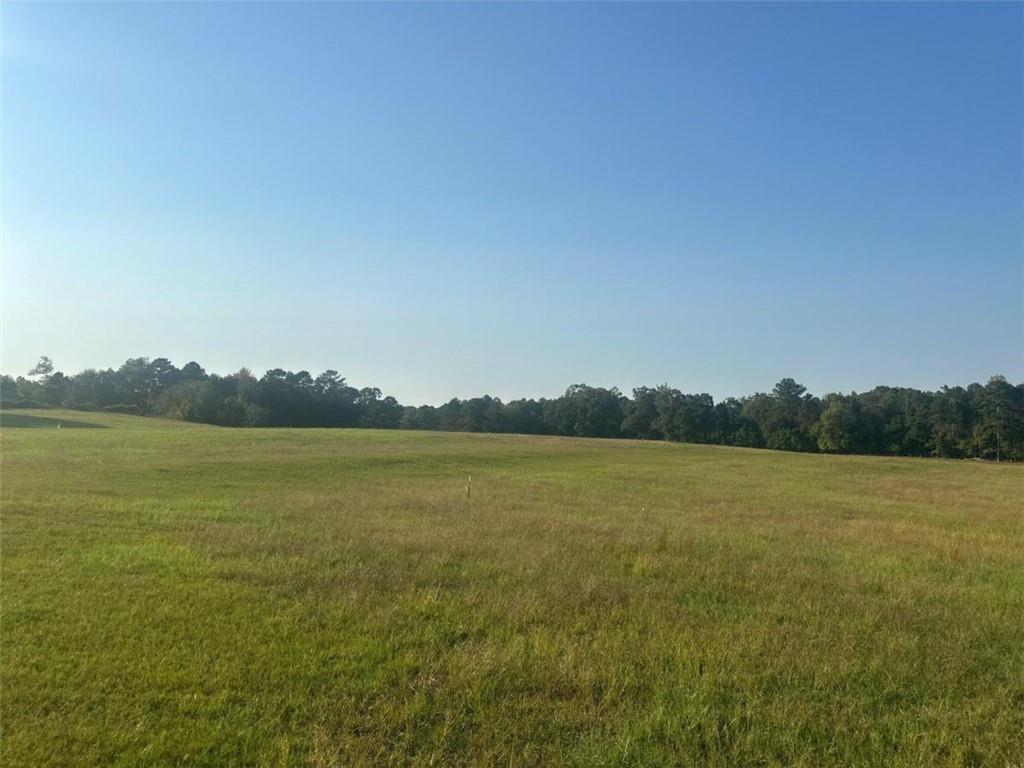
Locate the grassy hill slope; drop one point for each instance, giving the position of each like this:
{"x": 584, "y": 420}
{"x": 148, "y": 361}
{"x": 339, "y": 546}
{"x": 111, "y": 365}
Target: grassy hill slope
{"x": 186, "y": 595}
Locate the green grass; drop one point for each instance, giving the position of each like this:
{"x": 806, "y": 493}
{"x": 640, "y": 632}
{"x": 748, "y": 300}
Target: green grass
{"x": 188, "y": 595}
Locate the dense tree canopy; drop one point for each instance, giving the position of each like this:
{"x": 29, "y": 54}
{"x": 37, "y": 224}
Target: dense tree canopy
{"x": 983, "y": 421}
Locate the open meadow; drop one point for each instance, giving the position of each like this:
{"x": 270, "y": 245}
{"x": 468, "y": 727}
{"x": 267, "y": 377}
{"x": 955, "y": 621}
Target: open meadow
{"x": 176, "y": 594}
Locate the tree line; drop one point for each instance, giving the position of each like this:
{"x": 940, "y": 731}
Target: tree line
{"x": 983, "y": 421}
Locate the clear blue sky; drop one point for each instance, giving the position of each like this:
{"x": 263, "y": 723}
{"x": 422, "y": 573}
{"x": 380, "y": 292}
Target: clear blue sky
{"x": 448, "y": 200}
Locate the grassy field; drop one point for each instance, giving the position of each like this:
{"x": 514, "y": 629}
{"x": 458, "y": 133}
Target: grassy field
{"x": 188, "y": 595}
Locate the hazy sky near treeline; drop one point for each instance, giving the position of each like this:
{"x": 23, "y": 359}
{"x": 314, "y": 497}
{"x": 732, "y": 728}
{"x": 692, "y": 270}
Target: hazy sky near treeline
{"x": 451, "y": 200}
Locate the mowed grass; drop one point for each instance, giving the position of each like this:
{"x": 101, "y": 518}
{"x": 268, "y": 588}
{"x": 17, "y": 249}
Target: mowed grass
{"x": 188, "y": 595}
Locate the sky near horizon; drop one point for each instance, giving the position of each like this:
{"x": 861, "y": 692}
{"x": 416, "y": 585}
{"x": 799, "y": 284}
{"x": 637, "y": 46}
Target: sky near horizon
{"x": 452, "y": 200}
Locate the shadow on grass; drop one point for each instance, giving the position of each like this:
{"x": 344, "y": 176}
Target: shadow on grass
{"x": 25, "y": 421}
